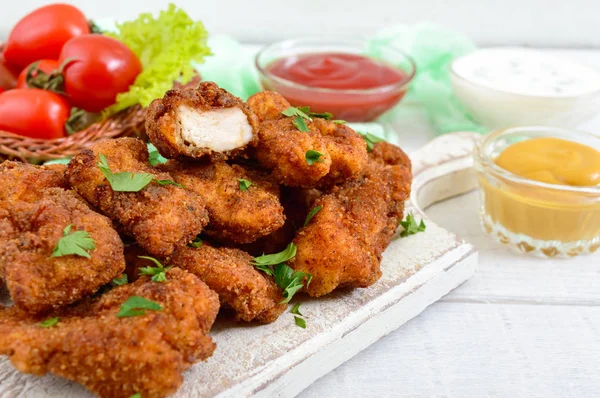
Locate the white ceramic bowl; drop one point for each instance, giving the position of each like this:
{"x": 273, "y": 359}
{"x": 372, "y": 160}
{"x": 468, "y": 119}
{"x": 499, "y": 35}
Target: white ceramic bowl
{"x": 505, "y": 87}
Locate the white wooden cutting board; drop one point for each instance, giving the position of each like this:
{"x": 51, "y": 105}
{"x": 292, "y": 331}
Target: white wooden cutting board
{"x": 282, "y": 359}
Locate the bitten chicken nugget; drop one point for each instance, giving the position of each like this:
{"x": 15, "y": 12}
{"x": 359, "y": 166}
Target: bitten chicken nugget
{"x": 242, "y": 203}
{"x": 195, "y": 122}
{"x": 144, "y": 350}
{"x": 249, "y": 292}
{"x": 159, "y": 217}
{"x": 343, "y": 243}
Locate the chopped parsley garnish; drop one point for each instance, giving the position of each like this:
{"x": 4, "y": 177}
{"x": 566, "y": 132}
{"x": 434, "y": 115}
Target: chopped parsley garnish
{"x": 300, "y": 124}
{"x": 289, "y": 281}
{"x": 244, "y": 184}
{"x": 77, "y": 243}
{"x": 276, "y": 258}
{"x": 168, "y": 182}
{"x": 154, "y": 156}
{"x": 136, "y": 395}
{"x": 124, "y": 181}
{"x": 296, "y": 309}
{"x": 300, "y": 322}
{"x": 48, "y": 323}
{"x": 321, "y": 115}
{"x": 136, "y": 306}
{"x": 339, "y": 121}
{"x": 313, "y": 157}
{"x": 291, "y": 111}
{"x": 370, "y": 139}
{"x": 311, "y": 214}
{"x": 196, "y": 243}
{"x": 285, "y": 277}
{"x": 410, "y": 226}
{"x": 120, "y": 280}
{"x": 158, "y": 273}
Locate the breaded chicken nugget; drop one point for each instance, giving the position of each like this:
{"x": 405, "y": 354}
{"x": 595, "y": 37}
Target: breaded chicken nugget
{"x": 238, "y": 213}
{"x": 249, "y": 292}
{"x": 283, "y": 149}
{"x": 119, "y": 356}
{"x": 390, "y": 155}
{"x": 160, "y": 218}
{"x": 343, "y": 243}
{"x": 195, "y": 122}
{"x": 26, "y": 182}
{"x": 267, "y": 105}
{"x": 29, "y": 233}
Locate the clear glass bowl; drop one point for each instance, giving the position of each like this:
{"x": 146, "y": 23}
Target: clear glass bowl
{"x": 535, "y": 217}
{"x": 357, "y": 105}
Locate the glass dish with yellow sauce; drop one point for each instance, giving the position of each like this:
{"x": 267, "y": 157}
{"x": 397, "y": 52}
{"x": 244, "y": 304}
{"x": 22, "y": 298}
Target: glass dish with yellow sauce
{"x": 540, "y": 189}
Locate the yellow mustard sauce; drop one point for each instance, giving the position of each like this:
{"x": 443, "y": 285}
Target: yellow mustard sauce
{"x": 545, "y": 213}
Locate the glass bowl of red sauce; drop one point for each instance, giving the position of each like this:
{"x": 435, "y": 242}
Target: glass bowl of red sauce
{"x": 337, "y": 76}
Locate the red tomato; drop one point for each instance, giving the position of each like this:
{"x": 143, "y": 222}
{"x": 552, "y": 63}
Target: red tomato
{"x": 102, "y": 67}
{"x": 8, "y": 75}
{"x": 45, "y": 65}
{"x": 43, "y": 32}
{"x": 33, "y": 113}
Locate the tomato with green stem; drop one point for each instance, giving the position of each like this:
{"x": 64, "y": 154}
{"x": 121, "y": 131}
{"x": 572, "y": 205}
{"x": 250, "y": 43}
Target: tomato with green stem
{"x": 96, "y": 68}
{"x": 36, "y": 75}
{"x": 34, "y": 113}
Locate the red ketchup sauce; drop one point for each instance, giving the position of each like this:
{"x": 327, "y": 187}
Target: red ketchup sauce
{"x": 338, "y": 71}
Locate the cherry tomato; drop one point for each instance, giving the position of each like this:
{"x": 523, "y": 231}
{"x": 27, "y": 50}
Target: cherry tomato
{"x": 101, "y": 68}
{"x": 42, "y": 33}
{"x": 45, "y": 65}
{"x": 8, "y": 74}
{"x": 33, "y": 113}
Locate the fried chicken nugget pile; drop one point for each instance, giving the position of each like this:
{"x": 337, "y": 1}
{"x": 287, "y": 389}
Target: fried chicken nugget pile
{"x": 159, "y": 217}
{"x": 343, "y": 243}
{"x": 119, "y": 356}
{"x": 35, "y": 209}
{"x": 236, "y": 215}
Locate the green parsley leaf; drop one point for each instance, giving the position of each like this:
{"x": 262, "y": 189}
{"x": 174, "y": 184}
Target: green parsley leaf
{"x": 289, "y": 281}
{"x": 158, "y": 273}
{"x": 370, "y": 139}
{"x": 300, "y": 322}
{"x": 136, "y": 306}
{"x": 136, "y": 395}
{"x": 276, "y": 258}
{"x": 339, "y": 121}
{"x": 296, "y": 309}
{"x": 309, "y": 278}
{"x": 124, "y": 181}
{"x": 120, "y": 280}
{"x": 313, "y": 157}
{"x": 196, "y": 243}
{"x": 410, "y": 226}
{"x": 77, "y": 243}
{"x": 168, "y": 182}
{"x": 322, "y": 115}
{"x": 300, "y": 124}
{"x": 48, "y": 323}
{"x": 154, "y": 156}
{"x": 311, "y": 214}
{"x": 291, "y": 111}
{"x": 244, "y": 184}
{"x": 267, "y": 269}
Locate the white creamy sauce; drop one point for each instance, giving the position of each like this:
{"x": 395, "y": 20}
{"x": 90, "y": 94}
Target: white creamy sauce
{"x": 528, "y": 72}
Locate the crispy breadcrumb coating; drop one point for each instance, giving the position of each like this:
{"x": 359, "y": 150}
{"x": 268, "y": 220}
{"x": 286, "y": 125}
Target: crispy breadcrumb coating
{"x": 119, "y": 356}
{"x": 198, "y": 122}
{"x": 26, "y": 182}
{"x": 267, "y": 105}
{"x": 343, "y": 243}
{"x": 159, "y": 218}
{"x": 235, "y": 216}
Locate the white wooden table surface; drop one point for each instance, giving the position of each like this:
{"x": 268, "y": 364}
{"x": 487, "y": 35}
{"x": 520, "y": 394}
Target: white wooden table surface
{"x": 521, "y": 327}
